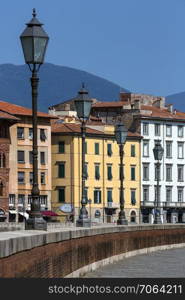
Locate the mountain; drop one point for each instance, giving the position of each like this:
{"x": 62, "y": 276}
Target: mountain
{"x": 57, "y": 83}
{"x": 178, "y": 101}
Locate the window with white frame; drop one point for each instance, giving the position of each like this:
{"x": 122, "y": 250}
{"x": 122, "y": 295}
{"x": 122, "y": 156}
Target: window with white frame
{"x": 97, "y": 196}
{"x": 168, "y": 172}
{"x": 180, "y": 192}
{"x": 145, "y": 193}
{"x": 145, "y": 128}
{"x": 145, "y": 148}
{"x": 146, "y": 171}
{"x": 168, "y": 193}
{"x": 168, "y": 149}
{"x": 180, "y": 130}
{"x": 180, "y": 150}
{"x": 180, "y": 173}
{"x": 157, "y": 129}
{"x": 168, "y": 130}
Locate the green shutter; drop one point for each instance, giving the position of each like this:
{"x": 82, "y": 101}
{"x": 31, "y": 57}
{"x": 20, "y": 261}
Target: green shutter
{"x": 61, "y": 193}
{"x": 85, "y": 147}
{"x": 96, "y": 148}
{"x": 109, "y": 196}
{"x": 61, "y": 146}
{"x": 133, "y": 150}
{"x": 109, "y": 149}
{"x": 109, "y": 170}
{"x": 61, "y": 170}
{"x": 132, "y": 173}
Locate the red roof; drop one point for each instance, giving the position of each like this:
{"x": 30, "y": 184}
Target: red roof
{"x": 157, "y": 112}
{"x": 7, "y": 116}
{"x": 110, "y": 104}
{"x": 20, "y": 110}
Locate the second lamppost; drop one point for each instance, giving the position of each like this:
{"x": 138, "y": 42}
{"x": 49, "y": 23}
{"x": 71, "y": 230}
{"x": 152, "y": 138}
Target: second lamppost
{"x": 34, "y": 42}
{"x": 121, "y": 135}
{"x": 158, "y": 155}
{"x": 83, "y": 108}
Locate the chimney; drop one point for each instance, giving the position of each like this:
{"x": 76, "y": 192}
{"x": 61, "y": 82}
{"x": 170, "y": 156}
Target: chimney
{"x": 137, "y": 104}
{"x": 170, "y": 108}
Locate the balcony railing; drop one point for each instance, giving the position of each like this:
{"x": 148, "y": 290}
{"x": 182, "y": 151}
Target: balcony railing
{"x": 162, "y": 204}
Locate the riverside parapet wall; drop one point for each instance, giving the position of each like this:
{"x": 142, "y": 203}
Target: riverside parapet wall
{"x": 71, "y": 252}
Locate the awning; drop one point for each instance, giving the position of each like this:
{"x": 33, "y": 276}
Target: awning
{"x": 48, "y": 213}
{"x": 24, "y": 214}
{"x": 13, "y": 211}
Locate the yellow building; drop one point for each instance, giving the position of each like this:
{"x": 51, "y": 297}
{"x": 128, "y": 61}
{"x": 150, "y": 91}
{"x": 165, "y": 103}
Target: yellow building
{"x": 102, "y": 172}
{"x": 20, "y": 160}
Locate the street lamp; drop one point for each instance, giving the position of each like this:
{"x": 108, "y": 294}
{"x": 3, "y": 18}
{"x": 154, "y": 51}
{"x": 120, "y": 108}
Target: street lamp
{"x": 83, "y": 107}
{"x": 158, "y": 155}
{"x": 34, "y": 42}
{"x": 121, "y": 134}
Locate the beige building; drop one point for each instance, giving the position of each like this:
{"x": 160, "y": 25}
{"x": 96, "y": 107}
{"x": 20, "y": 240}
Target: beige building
{"x": 20, "y": 160}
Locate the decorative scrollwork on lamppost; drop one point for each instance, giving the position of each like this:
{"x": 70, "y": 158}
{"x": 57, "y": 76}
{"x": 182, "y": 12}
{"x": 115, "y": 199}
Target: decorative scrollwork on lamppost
{"x": 34, "y": 42}
{"x": 121, "y": 135}
{"x": 83, "y": 107}
{"x": 158, "y": 155}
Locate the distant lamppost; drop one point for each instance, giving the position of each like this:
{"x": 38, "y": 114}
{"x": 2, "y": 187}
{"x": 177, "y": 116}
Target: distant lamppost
{"x": 158, "y": 155}
{"x": 83, "y": 107}
{"x": 34, "y": 42}
{"x": 121, "y": 134}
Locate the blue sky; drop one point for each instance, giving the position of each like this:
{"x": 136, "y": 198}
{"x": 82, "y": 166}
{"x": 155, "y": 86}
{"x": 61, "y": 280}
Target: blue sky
{"x": 138, "y": 44}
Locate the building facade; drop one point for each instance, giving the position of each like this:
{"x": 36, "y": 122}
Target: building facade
{"x": 102, "y": 172}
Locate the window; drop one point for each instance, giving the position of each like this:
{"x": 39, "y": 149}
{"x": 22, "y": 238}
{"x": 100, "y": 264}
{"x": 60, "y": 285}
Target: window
{"x": 180, "y": 150}
{"x": 133, "y": 217}
{"x": 20, "y": 133}
{"x": 97, "y": 196}
{"x": 145, "y": 193}
{"x": 61, "y": 195}
{"x": 30, "y": 157}
{"x": 180, "y": 131}
{"x": 42, "y": 158}
{"x": 12, "y": 199}
{"x": 109, "y": 149}
{"x": 85, "y": 147}
{"x": 133, "y": 172}
{"x": 42, "y": 135}
{"x": 133, "y": 152}
{"x": 157, "y": 129}
{"x": 145, "y": 172}
{"x": 31, "y": 177}
{"x": 168, "y": 149}
{"x": 168, "y": 193}
{"x": 61, "y": 147}
{"x": 21, "y": 199}
{"x": 42, "y": 178}
{"x": 157, "y": 172}
{"x": 145, "y": 148}
{"x": 180, "y": 194}
{"x": 2, "y": 160}
{"x": 3, "y": 131}
{"x": 61, "y": 170}
{"x": 43, "y": 199}
{"x": 21, "y": 177}
{"x": 109, "y": 172}
{"x": 86, "y": 171}
{"x": 20, "y": 157}
{"x": 180, "y": 173}
{"x": 1, "y": 189}
{"x": 109, "y": 196}
{"x": 97, "y": 150}
{"x": 97, "y": 171}
{"x": 133, "y": 196}
{"x": 168, "y": 130}
{"x": 30, "y": 134}
{"x": 145, "y": 128}
{"x": 168, "y": 172}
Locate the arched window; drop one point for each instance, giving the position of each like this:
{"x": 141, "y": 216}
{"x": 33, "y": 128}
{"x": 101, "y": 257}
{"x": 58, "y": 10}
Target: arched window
{"x": 133, "y": 216}
{"x": 1, "y": 188}
{"x": 2, "y": 160}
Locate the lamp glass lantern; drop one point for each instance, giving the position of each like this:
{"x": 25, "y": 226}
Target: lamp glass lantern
{"x": 83, "y": 104}
{"x": 158, "y": 151}
{"x": 34, "y": 42}
{"x": 121, "y": 133}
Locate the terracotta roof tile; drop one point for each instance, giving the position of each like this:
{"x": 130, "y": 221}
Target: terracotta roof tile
{"x": 110, "y": 104}
{"x": 157, "y": 112}
{"x": 20, "y": 110}
{"x": 7, "y": 116}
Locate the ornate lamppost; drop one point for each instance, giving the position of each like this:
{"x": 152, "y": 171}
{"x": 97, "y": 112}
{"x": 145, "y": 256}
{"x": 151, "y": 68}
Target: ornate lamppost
{"x": 83, "y": 107}
{"x": 121, "y": 134}
{"x": 158, "y": 155}
{"x": 34, "y": 42}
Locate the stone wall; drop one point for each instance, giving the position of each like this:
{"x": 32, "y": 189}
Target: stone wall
{"x": 59, "y": 253}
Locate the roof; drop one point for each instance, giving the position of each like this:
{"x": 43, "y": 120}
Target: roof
{"x": 110, "y": 104}
{"x": 6, "y": 116}
{"x": 156, "y": 112}
{"x": 57, "y": 127}
{"x": 20, "y": 110}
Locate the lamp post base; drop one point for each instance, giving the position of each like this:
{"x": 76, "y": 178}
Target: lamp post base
{"x": 122, "y": 222}
{"x": 157, "y": 220}
{"x": 36, "y": 223}
{"x": 83, "y": 222}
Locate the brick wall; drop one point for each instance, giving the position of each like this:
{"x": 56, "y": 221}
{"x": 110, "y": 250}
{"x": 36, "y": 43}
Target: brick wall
{"x": 62, "y": 258}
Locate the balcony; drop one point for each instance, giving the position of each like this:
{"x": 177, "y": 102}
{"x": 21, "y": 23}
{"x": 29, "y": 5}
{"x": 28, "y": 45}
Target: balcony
{"x": 163, "y": 204}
